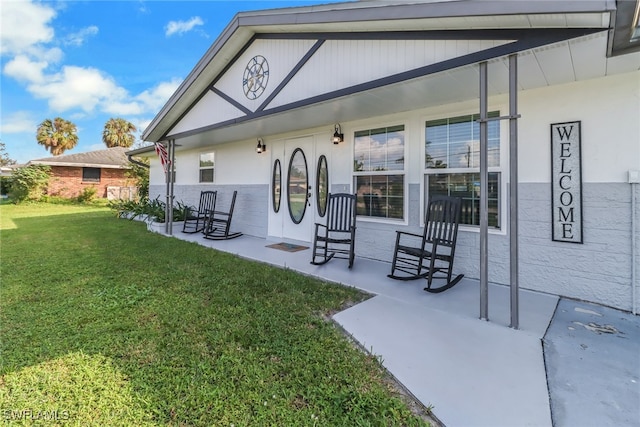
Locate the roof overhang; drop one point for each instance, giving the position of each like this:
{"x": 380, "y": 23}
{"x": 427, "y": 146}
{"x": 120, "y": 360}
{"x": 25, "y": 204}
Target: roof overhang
{"x": 77, "y": 165}
{"x": 365, "y": 17}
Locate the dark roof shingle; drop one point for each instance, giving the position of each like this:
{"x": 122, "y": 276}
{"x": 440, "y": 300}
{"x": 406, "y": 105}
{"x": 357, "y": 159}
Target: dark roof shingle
{"x": 113, "y": 158}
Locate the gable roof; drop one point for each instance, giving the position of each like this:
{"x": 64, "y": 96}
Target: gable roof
{"x": 544, "y": 21}
{"x": 110, "y": 158}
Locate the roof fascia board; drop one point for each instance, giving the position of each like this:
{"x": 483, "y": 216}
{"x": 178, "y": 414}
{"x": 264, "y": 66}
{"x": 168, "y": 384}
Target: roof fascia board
{"x": 141, "y": 150}
{"x": 77, "y": 165}
{"x": 546, "y": 37}
{"x": 369, "y": 11}
{"x": 473, "y": 34}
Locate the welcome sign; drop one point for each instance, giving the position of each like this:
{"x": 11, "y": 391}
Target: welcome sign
{"x": 566, "y": 182}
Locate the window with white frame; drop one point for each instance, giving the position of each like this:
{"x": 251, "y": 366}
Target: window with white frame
{"x": 452, "y": 164}
{"x": 379, "y": 172}
{"x": 206, "y": 167}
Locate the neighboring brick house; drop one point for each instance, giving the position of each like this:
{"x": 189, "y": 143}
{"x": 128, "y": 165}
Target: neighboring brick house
{"x": 106, "y": 170}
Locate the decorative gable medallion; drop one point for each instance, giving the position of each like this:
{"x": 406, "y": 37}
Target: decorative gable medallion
{"x": 256, "y": 76}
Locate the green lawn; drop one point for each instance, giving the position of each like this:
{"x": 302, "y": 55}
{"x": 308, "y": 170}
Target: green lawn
{"x": 104, "y": 323}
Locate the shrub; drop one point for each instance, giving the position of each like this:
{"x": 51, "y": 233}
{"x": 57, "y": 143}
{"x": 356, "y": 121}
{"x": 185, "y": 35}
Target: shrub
{"x": 153, "y": 210}
{"x": 29, "y": 183}
{"x": 141, "y": 175}
{"x": 87, "y": 195}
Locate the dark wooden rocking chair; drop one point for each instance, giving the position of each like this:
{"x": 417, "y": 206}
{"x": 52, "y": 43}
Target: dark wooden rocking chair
{"x": 195, "y": 220}
{"x": 336, "y": 238}
{"x": 219, "y": 223}
{"x": 423, "y": 256}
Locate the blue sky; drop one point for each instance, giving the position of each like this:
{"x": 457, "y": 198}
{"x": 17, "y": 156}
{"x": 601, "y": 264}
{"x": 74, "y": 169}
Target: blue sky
{"x": 88, "y": 61}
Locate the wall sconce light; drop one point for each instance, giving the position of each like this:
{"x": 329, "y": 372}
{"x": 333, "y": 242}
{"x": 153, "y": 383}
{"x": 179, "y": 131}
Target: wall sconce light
{"x": 261, "y": 147}
{"x": 338, "y": 136}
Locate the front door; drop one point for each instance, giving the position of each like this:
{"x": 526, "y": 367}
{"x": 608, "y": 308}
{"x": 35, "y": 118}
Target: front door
{"x": 298, "y": 201}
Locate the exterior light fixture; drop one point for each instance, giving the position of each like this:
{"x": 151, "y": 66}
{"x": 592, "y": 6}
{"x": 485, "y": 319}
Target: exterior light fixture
{"x": 261, "y": 147}
{"x": 338, "y": 136}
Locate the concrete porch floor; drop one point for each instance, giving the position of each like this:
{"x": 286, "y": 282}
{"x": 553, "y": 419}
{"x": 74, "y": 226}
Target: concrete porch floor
{"x": 483, "y": 373}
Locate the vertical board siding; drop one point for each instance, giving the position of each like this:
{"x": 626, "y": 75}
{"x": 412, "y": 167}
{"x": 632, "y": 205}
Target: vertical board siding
{"x": 340, "y": 64}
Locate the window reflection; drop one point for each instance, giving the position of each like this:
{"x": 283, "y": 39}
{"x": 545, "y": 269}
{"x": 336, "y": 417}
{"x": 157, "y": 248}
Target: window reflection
{"x": 467, "y": 187}
{"x": 322, "y": 182}
{"x": 297, "y": 186}
{"x": 277, "y": 182}
{"x": 455, "y": 142}
{"x": 380, "y": 196}
{"x": 379, "y": 149}
{"x": 207, "y": 165}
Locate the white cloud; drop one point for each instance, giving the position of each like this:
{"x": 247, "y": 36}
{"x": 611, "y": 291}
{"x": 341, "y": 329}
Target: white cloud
{"x": 77, "y": 87}
{"x": 24, "y": 24}
{"x": 18, "y": 122}
{"x": 157, "y": 96}
{"x": 142, "y": 124}
{"x": 24, "y": 69}
{"x": 77, "y": 39}
{"x": 30, "y": 56}
{"x": 179, "y": 27}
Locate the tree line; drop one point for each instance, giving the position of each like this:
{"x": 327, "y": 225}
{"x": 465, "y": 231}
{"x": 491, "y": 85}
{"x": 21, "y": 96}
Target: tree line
{"x": 59, "y": 135}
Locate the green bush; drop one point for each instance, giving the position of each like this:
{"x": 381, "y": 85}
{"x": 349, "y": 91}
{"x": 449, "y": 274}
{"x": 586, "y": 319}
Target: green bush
{"x": 141, "y": 176}
{"x": 153, "y": 210}
{"x": 87, "y": 195}
{"x": 29, "y": 183}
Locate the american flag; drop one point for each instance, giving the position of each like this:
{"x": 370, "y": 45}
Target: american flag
{"x": 161, "y": 151}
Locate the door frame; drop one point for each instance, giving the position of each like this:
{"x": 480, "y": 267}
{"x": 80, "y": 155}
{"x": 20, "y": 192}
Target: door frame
{"x": 280, "y": 224}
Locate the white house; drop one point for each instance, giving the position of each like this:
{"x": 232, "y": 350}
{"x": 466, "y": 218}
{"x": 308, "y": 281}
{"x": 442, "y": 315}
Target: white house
{"x": 406, "y": 83}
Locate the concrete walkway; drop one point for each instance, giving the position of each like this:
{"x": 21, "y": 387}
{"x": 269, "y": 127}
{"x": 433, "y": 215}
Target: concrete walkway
{"x": 474, "y": 372}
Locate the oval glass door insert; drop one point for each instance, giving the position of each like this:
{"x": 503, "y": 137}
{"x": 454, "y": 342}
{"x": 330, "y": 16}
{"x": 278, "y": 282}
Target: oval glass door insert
{"x": 275, "y": 185}
{"x": 297, "y": 185}
{"x": 322, "y": 184}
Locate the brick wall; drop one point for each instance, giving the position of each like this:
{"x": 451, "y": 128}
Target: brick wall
{"x": 67, "y": 181}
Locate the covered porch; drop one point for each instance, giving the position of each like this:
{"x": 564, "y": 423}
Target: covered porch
{"x": 474, "y": 372}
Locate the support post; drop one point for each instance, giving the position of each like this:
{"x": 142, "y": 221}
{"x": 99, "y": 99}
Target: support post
{"x": 172, "y": 157}
{"x": 167, "y": 176}
{"x": 484, "y": 199}
{"x": 513, "y": 189}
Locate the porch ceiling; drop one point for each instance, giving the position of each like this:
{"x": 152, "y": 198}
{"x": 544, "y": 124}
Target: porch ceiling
{"x": 574, "y": 60}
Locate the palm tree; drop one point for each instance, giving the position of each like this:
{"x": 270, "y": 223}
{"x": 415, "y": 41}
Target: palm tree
{"x": 118, "y": 133}
{"x": 57, "y": 136}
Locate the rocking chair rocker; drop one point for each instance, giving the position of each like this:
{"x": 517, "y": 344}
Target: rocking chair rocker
{"x": 336, "y": 238}
{"x": 219, "y": 222}
{"x": 422, "y": 256}
{"x": 195, "y": 220}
